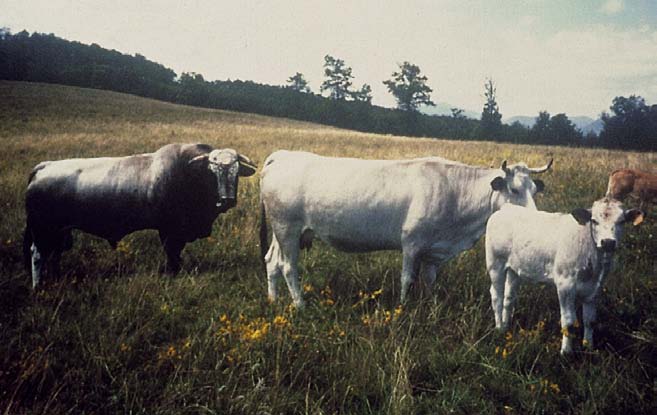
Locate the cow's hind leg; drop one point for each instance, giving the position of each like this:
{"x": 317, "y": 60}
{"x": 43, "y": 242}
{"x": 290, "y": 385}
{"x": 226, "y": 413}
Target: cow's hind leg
{"x": 274, "y": 267}
{"x": 287, "y": 245}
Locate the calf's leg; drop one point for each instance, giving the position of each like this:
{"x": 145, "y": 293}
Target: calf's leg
{"x": 589, "y": 317}
{"x": 497, "y": 274}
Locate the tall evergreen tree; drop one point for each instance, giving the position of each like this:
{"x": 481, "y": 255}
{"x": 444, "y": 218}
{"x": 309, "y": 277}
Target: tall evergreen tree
{"x": 409, "y": 88}
{"x": 338, "y": 78}
{"x": 491, "y": 119}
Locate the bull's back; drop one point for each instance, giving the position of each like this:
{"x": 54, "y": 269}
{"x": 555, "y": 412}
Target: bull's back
{"x": 102, "y": 196}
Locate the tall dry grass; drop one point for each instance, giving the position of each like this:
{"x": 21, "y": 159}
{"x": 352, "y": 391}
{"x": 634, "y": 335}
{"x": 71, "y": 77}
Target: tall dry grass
{"x": 113, "y": 336}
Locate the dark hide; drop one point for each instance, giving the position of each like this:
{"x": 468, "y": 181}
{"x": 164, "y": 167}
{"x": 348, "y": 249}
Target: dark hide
{"x": 160, "y": 191}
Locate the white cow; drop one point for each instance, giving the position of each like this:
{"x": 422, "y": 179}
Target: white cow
{"x": 572, "y": 251}
{"x": 431, "y": 208}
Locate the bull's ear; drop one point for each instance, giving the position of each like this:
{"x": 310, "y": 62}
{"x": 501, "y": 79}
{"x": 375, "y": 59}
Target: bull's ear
{"x": 247, "y": 167}
{"x": 582, "y": 216}
{"x": 636, "y": 216}
{"x": 540, "y": 185}
{"x": 498, "y": 184}
{"x": 198, "y": 161}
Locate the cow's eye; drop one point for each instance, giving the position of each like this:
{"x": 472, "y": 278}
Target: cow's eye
{"x": 593, "y": 221}
{"x": 515, "y": 191}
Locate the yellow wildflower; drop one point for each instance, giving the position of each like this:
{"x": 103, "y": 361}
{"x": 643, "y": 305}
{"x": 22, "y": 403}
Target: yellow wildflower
{"x": 281, "y": 321}
{"x": 307, "y": 288}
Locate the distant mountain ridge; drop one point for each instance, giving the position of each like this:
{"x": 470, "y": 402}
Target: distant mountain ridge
{"x": 583, "y": 123}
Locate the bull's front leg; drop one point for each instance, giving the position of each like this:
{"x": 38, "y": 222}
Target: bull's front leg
{"x": 566, "y": 292}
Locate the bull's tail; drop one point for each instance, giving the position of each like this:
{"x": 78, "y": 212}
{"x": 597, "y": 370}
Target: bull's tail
{"x": 263, "y": 233}
{"x": 27, "y": 248}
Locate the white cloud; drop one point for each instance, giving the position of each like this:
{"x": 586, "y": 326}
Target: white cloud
{"x": 612, "y": 6}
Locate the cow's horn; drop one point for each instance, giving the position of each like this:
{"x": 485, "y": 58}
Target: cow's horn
{"x": 542, "y": 169}
{"x": 504, "y": 168}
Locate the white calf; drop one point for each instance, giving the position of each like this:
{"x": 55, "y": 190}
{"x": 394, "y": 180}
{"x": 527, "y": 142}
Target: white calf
{"x": 572, "y": 251}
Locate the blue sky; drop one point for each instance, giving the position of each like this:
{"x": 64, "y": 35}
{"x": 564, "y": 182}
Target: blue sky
{"x": 559, "y": 56}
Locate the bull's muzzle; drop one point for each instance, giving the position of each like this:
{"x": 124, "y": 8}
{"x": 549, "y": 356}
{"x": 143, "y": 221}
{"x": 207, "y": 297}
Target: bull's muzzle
{"x": 608, "y": 245}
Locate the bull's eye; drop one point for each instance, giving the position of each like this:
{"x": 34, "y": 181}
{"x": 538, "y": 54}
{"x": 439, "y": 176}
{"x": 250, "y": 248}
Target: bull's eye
{"x": 515, "y": 191}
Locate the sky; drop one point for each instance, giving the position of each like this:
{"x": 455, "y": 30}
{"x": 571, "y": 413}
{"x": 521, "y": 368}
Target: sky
{"x": 554, "y": 55}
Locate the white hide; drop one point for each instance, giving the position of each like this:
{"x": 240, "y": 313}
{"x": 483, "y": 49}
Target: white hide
{"x": 525, "y": 244}
{"x": 429, "y": 208}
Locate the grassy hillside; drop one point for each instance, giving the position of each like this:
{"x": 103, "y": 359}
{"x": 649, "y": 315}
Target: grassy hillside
{"x": 113, "y": 336}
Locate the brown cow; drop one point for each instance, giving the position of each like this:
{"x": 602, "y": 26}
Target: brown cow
{"x": 637, "y": 183}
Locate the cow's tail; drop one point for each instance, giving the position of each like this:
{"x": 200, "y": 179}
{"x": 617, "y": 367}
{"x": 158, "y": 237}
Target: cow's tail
{"x": 264, "y": 243}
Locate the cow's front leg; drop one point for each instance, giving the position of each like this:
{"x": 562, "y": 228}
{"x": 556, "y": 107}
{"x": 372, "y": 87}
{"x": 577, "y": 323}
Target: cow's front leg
{"x": 566, "y": 292}
{"x": 589, "y": 317}
{"x": 410, "y": 269}
{"x": 172, "y": 247}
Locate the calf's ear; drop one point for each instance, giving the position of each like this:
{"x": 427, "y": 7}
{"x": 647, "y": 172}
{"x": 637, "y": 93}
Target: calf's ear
{"x": 498, "y": 184}
{"x": 540, "y": 185}
{"x": 636, "y": 216}
{"x": 582, "y": 216}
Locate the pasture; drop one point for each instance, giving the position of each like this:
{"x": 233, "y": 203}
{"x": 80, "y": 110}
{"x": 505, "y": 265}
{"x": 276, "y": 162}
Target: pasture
{"x": 113, "y": 336}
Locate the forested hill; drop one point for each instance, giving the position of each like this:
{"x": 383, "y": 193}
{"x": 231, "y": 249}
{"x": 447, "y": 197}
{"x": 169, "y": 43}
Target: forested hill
{"x": 47, "y": 58}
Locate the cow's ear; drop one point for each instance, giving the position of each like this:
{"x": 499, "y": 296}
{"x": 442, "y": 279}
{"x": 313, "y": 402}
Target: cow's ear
{"x": 199, "y": 161}
{"x": 582, "y": 216}
{"x": 498, "y": 184}
{"x": 540, "y": 185}
{"x": 636, "y": 216}
{"x": 247, "y": 167}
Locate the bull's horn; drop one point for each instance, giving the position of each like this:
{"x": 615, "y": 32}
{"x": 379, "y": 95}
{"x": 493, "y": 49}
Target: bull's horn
{"x": 247, "y": 167}
{"x": 504, "y": 168}
{"x": 197, "y": 159}
{"x": 541, "y": 169}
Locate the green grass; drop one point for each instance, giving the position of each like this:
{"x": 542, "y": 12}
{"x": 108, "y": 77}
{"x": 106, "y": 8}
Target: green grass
{"x": 113, "y": 336}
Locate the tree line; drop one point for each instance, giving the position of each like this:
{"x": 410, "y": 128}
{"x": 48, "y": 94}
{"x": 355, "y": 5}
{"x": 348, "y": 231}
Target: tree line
{"x": 47, "y": 58}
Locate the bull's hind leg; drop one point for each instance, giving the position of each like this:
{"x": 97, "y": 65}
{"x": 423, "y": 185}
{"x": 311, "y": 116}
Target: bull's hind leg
{"x": 38, "y": 260}
{"x": 288, "y": 244}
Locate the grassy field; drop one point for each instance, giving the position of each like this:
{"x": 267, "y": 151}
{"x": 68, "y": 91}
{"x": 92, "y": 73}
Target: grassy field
{"x": 113, "y": 336}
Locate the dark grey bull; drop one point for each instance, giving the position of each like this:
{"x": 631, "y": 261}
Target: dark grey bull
{"x": 179, "y": 190}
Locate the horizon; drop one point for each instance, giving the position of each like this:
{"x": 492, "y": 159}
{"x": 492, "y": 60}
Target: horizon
{"x": 593, "y": 51}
